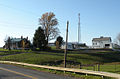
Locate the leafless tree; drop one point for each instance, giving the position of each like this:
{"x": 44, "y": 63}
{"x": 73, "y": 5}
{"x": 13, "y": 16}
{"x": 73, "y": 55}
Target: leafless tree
{"x": 48, "y": 23}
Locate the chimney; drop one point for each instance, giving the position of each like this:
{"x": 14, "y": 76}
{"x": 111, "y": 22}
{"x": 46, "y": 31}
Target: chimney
{"x": 21, "y": 37}
{"x": 101, "y": 36}
{"x": 27, "y": 37}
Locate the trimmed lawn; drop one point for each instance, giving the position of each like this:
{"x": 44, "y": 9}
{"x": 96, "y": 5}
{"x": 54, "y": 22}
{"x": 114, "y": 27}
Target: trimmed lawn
{"x": 74, "y": 59}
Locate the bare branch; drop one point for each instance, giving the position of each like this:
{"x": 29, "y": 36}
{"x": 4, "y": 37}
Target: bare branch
{"x": 48, "y": 23}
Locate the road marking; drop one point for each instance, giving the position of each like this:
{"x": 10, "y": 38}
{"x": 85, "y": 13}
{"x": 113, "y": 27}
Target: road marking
{"x": 18, "y": 73}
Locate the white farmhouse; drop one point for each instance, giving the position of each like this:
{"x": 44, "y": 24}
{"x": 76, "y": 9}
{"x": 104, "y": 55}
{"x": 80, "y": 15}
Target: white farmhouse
{"x": 69, "y": 46}
{"x": 102, "y": 42}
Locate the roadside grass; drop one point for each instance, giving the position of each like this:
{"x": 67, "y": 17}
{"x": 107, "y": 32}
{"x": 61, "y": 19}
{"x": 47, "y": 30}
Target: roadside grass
{"x": 10, "y": 52}
{"x": 76, "y": 75}
{"x": 54, "y": 58}
{"x": 71, "y": 74}
{"x": 114, "y": 68}
{"x": 32, "y": 58}
{"x": 53, "y": 47}
{"x": 74, "y": 59}
{"x": 1, "y": 49}
{"x": 6, "y": 53}
{"x": 49, "y": 58}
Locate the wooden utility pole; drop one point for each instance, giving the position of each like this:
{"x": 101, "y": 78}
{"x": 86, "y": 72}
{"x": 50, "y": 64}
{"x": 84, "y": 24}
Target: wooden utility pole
{"x": 65, "y": 54}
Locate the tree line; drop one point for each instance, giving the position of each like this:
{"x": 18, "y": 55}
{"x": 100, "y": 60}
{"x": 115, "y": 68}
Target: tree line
{"x": 46, "y": 31}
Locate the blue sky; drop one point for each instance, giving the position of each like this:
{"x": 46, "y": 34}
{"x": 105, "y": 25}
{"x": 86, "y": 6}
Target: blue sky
{"x": 98, "y": 17}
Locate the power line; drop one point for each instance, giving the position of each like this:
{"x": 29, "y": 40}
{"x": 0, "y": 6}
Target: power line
{"x": 21, "y": 10}
{"x": 5, "y": 22}
{"x": 9, "y": 23}
{"x": 18, "y": 25}
{"x": 28, "y": 12}
{"x": 6, "y": 25}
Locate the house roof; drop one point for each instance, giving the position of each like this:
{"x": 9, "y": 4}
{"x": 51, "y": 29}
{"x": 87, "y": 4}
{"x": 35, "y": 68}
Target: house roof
{"x": 13, "y": 40}
{"x": 102, "y": 39}
{"x": 16, "y": 39}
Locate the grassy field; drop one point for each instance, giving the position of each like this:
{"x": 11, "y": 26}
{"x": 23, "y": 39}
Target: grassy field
{"x": 56, "y": 57}
{"x": 114, "y": 67}
{"x": 4, "y": 52}
{"x": 110, "y": 60}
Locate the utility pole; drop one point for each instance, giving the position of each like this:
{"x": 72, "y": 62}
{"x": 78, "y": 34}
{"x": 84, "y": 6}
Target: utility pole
{"x": 65, "y": 54}
{"x": 79, "y": 31}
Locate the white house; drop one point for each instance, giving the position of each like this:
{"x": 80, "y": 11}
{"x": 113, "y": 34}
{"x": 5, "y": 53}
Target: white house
{"x": 102, "y": 42}
{"x": 69, "y": 46}
{"x": 74, "y": 45}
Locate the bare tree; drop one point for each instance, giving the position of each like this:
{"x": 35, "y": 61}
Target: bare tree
{"x": 48, "y": 23}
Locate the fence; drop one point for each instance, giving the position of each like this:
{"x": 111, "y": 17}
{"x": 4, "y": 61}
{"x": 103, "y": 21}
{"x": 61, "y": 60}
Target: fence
{"x": 68, "y": 69}
{"x": 115, "y": 68}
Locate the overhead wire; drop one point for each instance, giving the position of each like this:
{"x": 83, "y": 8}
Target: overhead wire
{"x": 21, "y": 10}
{"x": 5, "y": 22}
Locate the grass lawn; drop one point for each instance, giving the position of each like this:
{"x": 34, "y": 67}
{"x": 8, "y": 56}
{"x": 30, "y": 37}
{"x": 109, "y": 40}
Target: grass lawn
{"x": 52, "y": 58}
{"x": 56, "y": 58}
{"x": 74, "y": 58}
{"x": 114, "y": 68}
{"x": 1, "y": 49}
{"x": 75, "y": 75}
{"x": 7, "y": 52}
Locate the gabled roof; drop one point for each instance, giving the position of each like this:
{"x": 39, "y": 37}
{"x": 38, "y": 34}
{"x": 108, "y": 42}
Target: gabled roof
{"x": 16, "y": 39}
{"x": 102, "y": 39}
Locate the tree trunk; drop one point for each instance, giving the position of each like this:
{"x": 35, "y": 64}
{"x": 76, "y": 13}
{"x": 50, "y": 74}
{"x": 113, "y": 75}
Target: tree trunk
{"x": 47, "y": 40}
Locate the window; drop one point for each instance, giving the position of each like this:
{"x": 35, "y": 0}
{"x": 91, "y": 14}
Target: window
{"x": 94, "y": 43}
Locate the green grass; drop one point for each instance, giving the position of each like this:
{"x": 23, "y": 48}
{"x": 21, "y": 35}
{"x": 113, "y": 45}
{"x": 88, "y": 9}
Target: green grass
{"x": 45, "y": 57}
{"x": 33, "y": 58}
{"x": 114, "y": 68}
{"x": 75, "y": 75}
{"x": 10, "y": 52}
{"x": 6, "y": 53}
{"x": 53, "y": 47}
{"x": 74, "y": 59}
{"x": 1, "y": 49}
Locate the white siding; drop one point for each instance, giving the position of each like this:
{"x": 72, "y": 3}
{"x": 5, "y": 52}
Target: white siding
{"x": 102, "y": 44}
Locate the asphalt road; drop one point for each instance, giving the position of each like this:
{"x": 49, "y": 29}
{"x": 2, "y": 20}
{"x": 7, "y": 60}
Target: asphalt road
{"x": 15, "y": 72}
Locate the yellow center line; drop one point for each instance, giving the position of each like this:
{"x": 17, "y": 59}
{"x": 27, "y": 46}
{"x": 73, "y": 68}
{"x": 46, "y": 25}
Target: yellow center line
{"x": 18, "y": 73}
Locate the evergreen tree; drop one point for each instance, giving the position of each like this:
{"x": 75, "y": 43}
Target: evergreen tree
{"x": 39, "y": 39}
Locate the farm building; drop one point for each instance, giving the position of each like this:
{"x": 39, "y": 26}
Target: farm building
{"x": 102, "y": 42}
{"x": 17, "y": 43}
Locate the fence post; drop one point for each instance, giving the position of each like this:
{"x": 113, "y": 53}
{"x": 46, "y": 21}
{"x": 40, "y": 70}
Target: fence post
{"x": 93, "y": 67}
{"x": 115, "y": 67}
{"x": 80, "y": 66}
{"x": 98, "y": 67}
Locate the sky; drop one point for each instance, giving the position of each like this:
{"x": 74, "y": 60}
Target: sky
{"x": 97, "y": 18}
